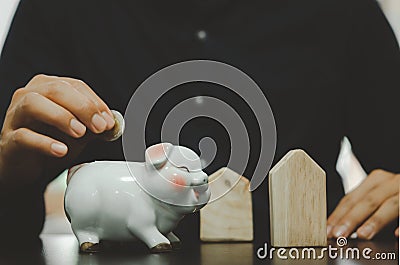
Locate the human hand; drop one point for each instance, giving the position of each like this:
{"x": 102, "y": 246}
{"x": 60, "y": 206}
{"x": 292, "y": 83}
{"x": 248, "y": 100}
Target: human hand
{"x": 46, "y": 121}
{"x": 368, "y": 208}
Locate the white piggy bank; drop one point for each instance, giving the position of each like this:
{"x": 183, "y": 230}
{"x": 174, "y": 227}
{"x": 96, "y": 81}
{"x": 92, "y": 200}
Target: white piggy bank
{"x": 120, "y": 201}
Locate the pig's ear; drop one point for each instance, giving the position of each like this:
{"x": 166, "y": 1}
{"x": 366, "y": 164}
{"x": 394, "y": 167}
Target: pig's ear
{"x": 156, "y": 155}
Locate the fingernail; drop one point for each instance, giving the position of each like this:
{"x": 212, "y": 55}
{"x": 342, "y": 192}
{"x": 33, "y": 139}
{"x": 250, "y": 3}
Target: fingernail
{"x": 354, "y": 235}
{"x": 109, "y": 119}
{"x": 77, "y": 127}
{"x": 99, "y": 123}
{"x": 366, "y": 231}
{"x": 328, "y": 229}
{"x": 340, "y": 231}
{"x": 59, "y": 149}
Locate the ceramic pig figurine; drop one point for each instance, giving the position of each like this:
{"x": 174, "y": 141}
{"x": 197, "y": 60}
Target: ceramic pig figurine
{"x": 120, "y": 201}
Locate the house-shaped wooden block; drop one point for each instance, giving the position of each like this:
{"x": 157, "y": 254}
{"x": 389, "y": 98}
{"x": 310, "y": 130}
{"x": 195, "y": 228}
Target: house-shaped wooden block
{"x": 230, "y": 217}
{"x": 297, "y": 196}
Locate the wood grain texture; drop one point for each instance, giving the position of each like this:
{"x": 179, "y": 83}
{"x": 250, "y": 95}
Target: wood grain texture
{"x": 297, "y": 193}
{"x": 229, "y": 218}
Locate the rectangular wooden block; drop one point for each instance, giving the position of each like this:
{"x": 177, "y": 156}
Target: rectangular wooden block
{"x": 297, "y": 195}
{"x": 230, "y": 217}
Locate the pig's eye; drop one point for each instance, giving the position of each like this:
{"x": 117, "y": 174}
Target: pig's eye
{"x": 185, "y": 168}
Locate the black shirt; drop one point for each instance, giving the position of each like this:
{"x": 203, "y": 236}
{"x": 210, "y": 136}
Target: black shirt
{"x": 328, "y": 68}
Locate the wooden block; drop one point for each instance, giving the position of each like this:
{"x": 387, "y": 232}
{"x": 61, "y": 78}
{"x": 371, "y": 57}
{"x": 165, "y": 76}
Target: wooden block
{"x": 229, "y": 218}
{"x": 297, "y": 196}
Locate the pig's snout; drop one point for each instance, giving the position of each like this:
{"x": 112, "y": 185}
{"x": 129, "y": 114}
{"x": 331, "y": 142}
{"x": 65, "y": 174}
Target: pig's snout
{"x": 199, "y": 180}
{"x": 200, "y": 183}
{"x": 201, "y": 189}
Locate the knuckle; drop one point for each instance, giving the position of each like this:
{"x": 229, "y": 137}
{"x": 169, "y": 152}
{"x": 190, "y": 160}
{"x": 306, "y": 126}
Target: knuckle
{"x": 379, "y": 175}
{"x": 39, "y": 77}
{"x": 18, "y": 135}
{"x": 37, "y": 80}
{"x": 27, "y": 102}
{"x": 82, "y": 86}
{"x": 87, "y": 106}
{"x": 79, "y": 84}
{"x": 75, "y": 83}
{"x": 371, "y": 201}
{"x": 378, "y": 172}
{"x": 53, "y": 90}
{"x": 18, "y": 93}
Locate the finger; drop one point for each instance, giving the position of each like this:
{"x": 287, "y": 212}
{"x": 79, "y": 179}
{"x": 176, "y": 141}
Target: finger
{"x": 375, "y": 178}
{"x": 86, "y": 90}
{"x": 26, "y": 138}
{"x": 383, "y": 216}
{"x": 65, "y": 95}
{"x": 20, "y": 92}
{"x": 40, "y": 79}
{"x": 37, "y": 107}
{"x": 83, "y": 88}
{"x": 396, "y": 232}
{"x": 364, "y": 208}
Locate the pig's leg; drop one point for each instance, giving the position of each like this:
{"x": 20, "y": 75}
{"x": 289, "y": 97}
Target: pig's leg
{"x": 175, "y": 241}
{"x": 88, "y": 241}
{"x": 150, "y": 235}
